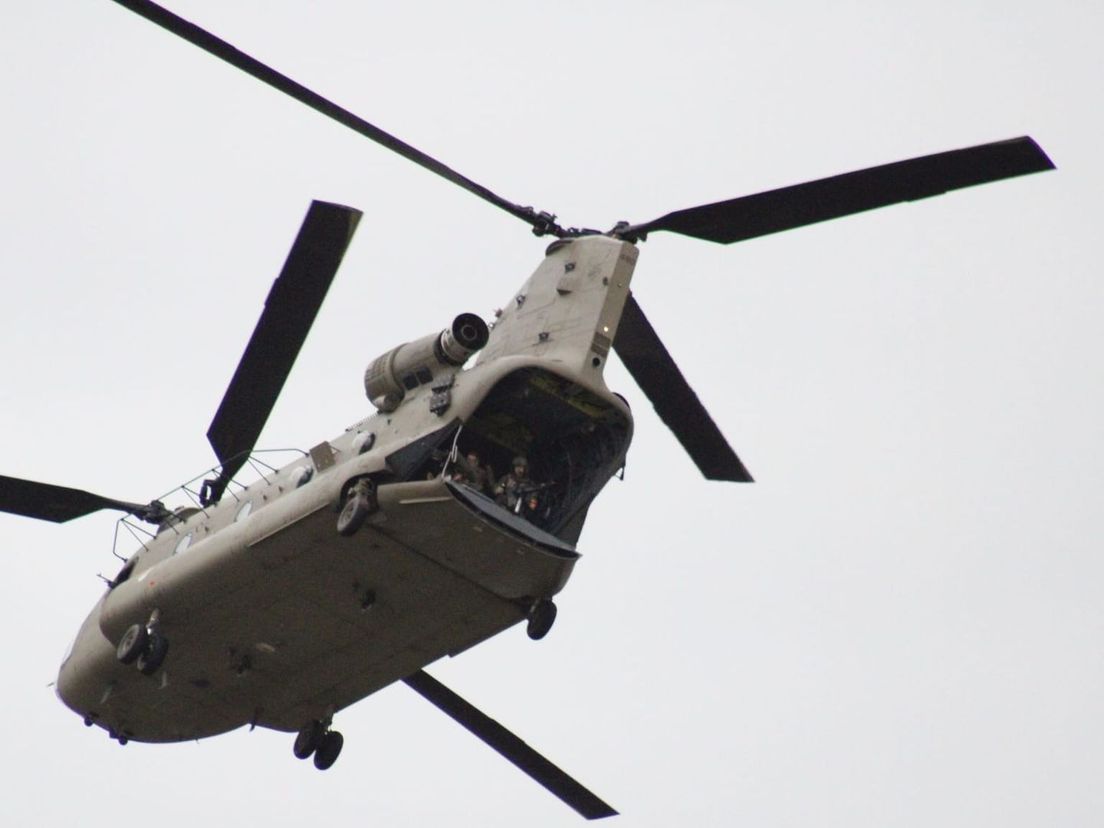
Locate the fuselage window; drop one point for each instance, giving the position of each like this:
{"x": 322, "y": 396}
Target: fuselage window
{"x": 244, "y": 511}
{"x": 183, "y": 544}
{"x": 365, "y": 442}
{"x": 124, "y": 573}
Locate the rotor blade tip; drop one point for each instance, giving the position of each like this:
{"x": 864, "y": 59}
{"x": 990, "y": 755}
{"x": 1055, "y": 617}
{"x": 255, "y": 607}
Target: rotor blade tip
{"x": 1045, "y": 161}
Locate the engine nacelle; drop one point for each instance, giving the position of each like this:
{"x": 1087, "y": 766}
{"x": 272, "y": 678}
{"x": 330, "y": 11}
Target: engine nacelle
{"x": 402, "y": 369}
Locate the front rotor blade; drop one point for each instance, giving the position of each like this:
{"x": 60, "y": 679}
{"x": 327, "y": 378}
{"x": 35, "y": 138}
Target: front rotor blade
{"x": 651, "y": 365}
{"x": 58, "y": 504}
{"x": 510, "y": 746}
{"x": 235, "y": 57}
{"x": 289, "y": 312}
{"x": 854, "y": 192}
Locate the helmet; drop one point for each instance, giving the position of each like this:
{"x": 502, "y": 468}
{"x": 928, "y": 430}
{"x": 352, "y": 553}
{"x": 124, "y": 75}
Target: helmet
{"x": 521, "y": 461}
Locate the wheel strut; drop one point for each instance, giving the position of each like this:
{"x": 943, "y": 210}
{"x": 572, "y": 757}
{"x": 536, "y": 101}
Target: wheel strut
{"x": 144, "y": 646}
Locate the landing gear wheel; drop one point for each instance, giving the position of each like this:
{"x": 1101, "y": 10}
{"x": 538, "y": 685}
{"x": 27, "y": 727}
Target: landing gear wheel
{"x": 355, "y": 511}
{"x": 542, "y": 615}
{"x": 132, "y": 644}
{"x": 360, "y": 501}
{"x": 157, "y": 647}
{"x": 328, "y": 750}
{"x": 308, "y": 739}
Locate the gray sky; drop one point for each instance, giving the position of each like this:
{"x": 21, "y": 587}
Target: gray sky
{"x": 899, "y": 624}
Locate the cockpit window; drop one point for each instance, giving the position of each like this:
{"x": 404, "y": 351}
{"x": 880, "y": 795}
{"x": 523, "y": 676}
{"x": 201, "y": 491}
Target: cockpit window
{"x": 124, "y": 573}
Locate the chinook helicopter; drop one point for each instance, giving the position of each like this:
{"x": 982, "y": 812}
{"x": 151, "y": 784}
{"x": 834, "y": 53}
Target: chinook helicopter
{"x": 281, "y": 602}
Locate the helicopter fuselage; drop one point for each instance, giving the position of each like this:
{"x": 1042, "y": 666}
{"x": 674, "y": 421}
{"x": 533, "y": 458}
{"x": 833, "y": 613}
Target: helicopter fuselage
{"x": 275, "y": 619}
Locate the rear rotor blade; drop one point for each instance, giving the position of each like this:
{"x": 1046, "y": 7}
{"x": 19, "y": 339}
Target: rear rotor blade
{"x": 510, "y": 746}
{"x": 45, "y": 501}
{"x": 651, "y": 365}
{"x": 289, "y": 312}
{"x": 854, "y": 192}
{"x": 541, "y": 223}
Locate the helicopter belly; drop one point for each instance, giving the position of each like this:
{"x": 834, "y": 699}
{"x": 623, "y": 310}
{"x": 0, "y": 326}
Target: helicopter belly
{"x": 324, "y": 620}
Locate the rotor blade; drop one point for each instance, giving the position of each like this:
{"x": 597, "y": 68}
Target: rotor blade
{"x": 828, "y": 198}
{"x": 289, "y": 312}
{"x": 235, "y": 57}
{"x": 45, "y": 501}
{"x": 510, "y": 746}
{"x": 675, "y": 402}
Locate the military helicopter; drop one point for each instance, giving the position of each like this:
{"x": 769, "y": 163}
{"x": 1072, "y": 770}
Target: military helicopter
{"x": 281, "y": 602}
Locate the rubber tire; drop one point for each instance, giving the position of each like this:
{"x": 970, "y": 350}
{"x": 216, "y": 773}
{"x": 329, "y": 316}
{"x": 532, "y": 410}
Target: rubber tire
{"x": 132, "y": 644}
{"x": 154, "y": 655}
{"x": 541, "y": 618}
{"x": 328, "y": 750}
{"x": 308, "y": 739}
{"x": 353, "y": 514}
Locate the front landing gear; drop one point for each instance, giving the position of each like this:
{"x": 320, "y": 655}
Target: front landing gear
{"x": 316, "y": 738}
{"x": 144, "y": 646}
{"x": 132, "y": 644}
{"x": 541, "y": 615}
{"x": 157, "y": 647}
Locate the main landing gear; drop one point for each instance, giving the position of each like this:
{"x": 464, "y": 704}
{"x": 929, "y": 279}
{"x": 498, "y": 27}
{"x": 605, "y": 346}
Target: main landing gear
{"x": 541, "y": 616}
{"x": 144, "y": 646}
{"x": 360, "y": 502}
{"x": 316, "y": 738}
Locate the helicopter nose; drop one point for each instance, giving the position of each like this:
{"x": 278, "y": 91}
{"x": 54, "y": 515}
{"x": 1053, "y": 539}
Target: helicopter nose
{"x": 81, "y": 682}
{"x": 72, "y": 686}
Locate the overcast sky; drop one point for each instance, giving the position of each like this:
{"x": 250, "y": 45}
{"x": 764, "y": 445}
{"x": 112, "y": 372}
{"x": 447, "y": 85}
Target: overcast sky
{"x": 899, "y": 624}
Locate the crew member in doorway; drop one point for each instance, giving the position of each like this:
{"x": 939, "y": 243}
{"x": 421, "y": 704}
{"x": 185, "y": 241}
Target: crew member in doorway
{"x": 471, "y": 472}
{"x": 516, "y": 491}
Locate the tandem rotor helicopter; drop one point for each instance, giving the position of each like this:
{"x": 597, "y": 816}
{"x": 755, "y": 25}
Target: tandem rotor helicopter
{"x": 448, "y": 515}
